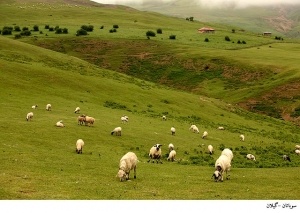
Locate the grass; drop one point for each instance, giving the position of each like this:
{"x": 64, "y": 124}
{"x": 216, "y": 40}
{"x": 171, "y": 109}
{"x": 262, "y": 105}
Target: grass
{"x": 41, "y": 162}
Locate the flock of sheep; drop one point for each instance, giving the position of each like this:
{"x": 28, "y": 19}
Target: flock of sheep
{"x": 129, "y": 161}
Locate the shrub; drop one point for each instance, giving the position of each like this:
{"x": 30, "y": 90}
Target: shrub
{"x": 81, "y": 32}
{"x": 206, "y": 40}
{"x": 238, "y": 41}
{"x": 172, "y": 37}
{"x": 17, "y": 28}
{"x": 102, "y": 27}
{"x": 35, "y": 28}
{"x": 115, "y": 26}
{"x": 150, "y": 33}
{"x": 25, "y": 28}
{"x": 65, "y": 31}
{"x": 47, "y": 26}
{"x": 244, "y": 42}
{"x": 7, "y": 30}
{"x": 227, "y": 38}
{"x": 88, "y": 28}
{"x": 114, "y": 30}
{"x": 58, "y": 31}
{"x": 17, "y": 36}
{"x": 25, "y": 33}
{"x": 51, "y": 29}
{"x": 159, "y": 31}
{"x": 233, "y": 30}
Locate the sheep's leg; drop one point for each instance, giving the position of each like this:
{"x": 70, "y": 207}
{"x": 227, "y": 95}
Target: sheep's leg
{"x": 134, "y": 169}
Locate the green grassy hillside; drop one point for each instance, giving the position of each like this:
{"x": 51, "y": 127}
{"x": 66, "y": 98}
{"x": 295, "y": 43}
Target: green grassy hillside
{"x": 40, "y": 161}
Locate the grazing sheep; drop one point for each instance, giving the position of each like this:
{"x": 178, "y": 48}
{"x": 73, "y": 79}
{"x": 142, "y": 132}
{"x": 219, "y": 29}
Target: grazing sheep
{"x": 171, "y": 147}
{"x": 117, "y": 130}
{"x": 48, "y": 107}
{"x": 297, "y": 151}
{"x": 79, "y": 146}
{"x": 221, "y": 128}
{"x": 173, "y": 130}
{"x": 155, "y": 153}
{"x": 60, "y": 124}
{"x": 80, "y": 119}
{"x": 34, "y": 106}
{"x": 223, "y": 164}
{"x": 77, "y": 110}
{"x": 250, "y": 157}
{"x": 286, "y": 157}
{"x": 297, "y": 147}
{"x": 89, "y": 120}
{"x": 210, "y": 149}
{"x": 194, "y": 128}
{"x": 124, "y": 119}
{"x": 29, "y": 116}
{"x": 172, "y": 156}
{"x": 164, "y": 118}
{"x": 127, "y": 163}
{"x": 205, "y": 133}
{"x": 242, "y": 138}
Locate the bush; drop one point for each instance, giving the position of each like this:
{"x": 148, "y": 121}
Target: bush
{"x": 159, "y": 31}
{"x": 81, "y": 32}
{"x": 17, "y": 28}
{"x": 206, "y": 40}
{"x": 51, "y": 29}
{"x": 65, "y": 31}
{"x": 227, "y": 38}
{"x": 35, "y": 28}
{"x": 114, "y": 30}
{"x": 150, "y": 33}
{"x": 172, "y": 37}
{"x": 7, "y": 30}
{"x": 17, "y": 36}
{"x": 115, "y": 26}
{"x": 244, "y": 42}
{"x": 25, "y": 33}
{"x": 25, "y": 28}
{"x": 88, "y": 28}
{"x": 233, "y": 30}
{"x": 102, "y": 27}
{"x": 58, "y": 31}
{"x": 47, "y": 26}
{"x": 238, "y": 41}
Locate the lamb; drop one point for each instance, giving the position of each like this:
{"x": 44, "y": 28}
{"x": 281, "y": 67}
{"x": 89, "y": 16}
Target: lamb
{"x": 250, "y": 157}
{"x": 34, "y": 106}
{"x": 117, "y": 130}
{"x": 172, "y": 156}
{"x": 77, "y": 110}
{"x": 164, "y": 118}
{"x": 79, "y": 146}
{"x": 80, "y": 119}
{"x": 173, "y": 130}
{"x": 194, "y": 128}
{"x": 127, "y": 163}
{"x": 155, "y": 153}
{"x": 124, "y": 119}
{"x": 60, "y": 124}
{"x": 242, "y": 138}
{"x": 89, "y": 120}
{"x": 286, "y": 157}
{"x": 223, "y": 164}
{"x": 29, "y": 116}
{"x": 221, "y": 128}
{"x": 297, "y": 151}
{"x": 205, "y": 133}
{"x": 48, "y": 107}
{"x": 210, "y": 149}
{"x": 171, "y": 147}
{"x": 297, "y": 147}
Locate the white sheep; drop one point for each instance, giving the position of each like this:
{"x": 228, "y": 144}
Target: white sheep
{"x": 223, "y": 165}
{"x": 29, "y": 116}
{"x": 250, "y": 157}
{"x": 173, "y": 130}
{"x": 124, "y": 119}
{"x": 48, "y": 107}
{"x": 79, "y": 146}
{"x": 242, "y": 137}
{"x": 172, "y": 156}
{"x": 205, "y": 133}
{"x": 80, "y": 119}
{"x": 171, "y": 147}
{"x": 194, "y": 128}
{"x": 164, "y": 118}
{"x": 286, "y": 157}
{"x": 155, "y": 153}
{"x": 221, "y": 128}
{"x": 34, "y": 106}
{"x": 77, "y": 110}
{"x": 59, "y": 124}
{"x": 127, "y": 163}
{"x": 210, "y": 149}
{"x": 297, "y": 147}
{"x": 297, "y": 151}
{"x": 117, "y": 130}
{"x": 88, "y": 120}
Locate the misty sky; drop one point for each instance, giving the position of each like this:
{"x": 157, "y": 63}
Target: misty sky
{"x": 208, "y": 3}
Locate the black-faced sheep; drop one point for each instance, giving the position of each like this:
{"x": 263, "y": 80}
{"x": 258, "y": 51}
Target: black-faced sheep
{"x": 173, "y": 130}
{"x": 29, "y": 116}
{"x": 223, "y": 165}
{"x": 34, "y": 107}
{"x": 250, "y": 157}
{"x": 127, "y": 163}
{"x": 79, "y": 146}
{"x": 286, "y": 157}
{"x": 172, "y": 156}
{"x": 242, "y": 137}
{"x": 77, "y": 110}
{"x": 117, "y": 130}
{"x": 164, "y": 118}
{"x": 48, "y": 107}
{"x": 205, "y": 133}
{"x": 210, "y": 149}
{"x": 155, "y": 153}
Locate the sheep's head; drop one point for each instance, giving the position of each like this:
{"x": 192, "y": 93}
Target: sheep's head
{"x": 217, "y": 176}
{"x": 122, "y": 175}
{"x": 157, "y": 146}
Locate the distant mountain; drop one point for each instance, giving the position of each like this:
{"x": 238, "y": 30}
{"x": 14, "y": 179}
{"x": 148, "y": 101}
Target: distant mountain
{"x": 282, "y": 19}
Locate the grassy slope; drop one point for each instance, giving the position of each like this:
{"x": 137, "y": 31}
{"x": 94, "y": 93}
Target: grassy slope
{"x": 40, "y": 159}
